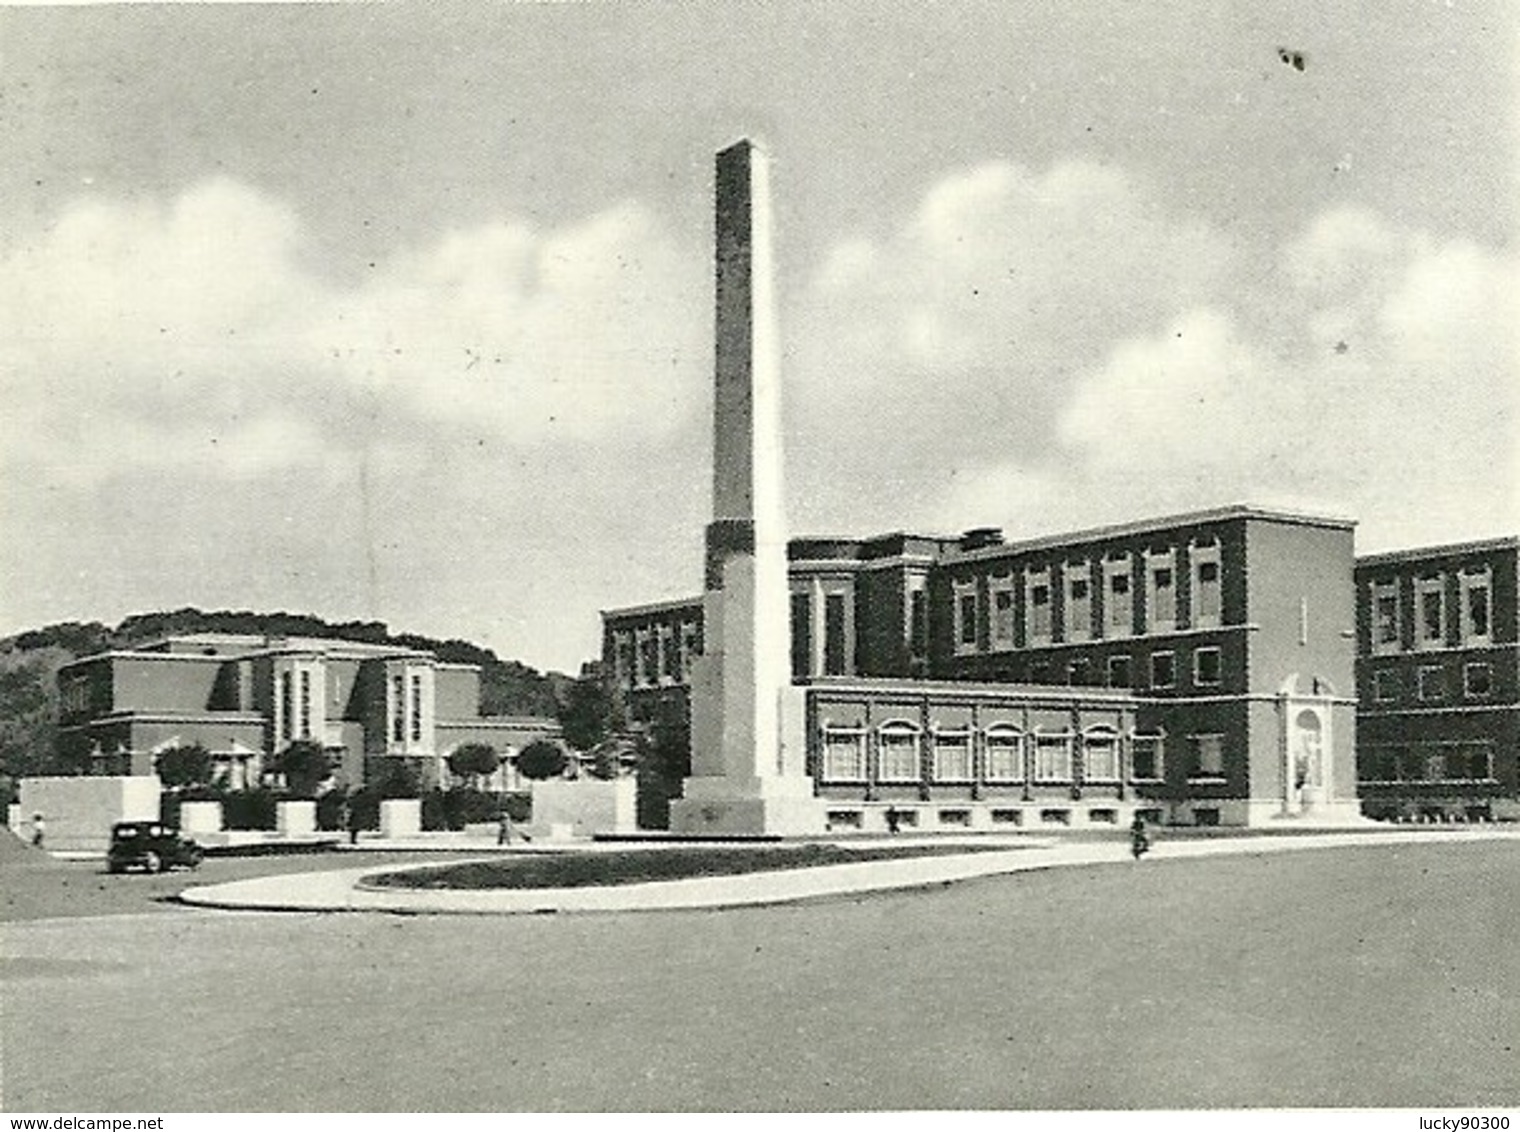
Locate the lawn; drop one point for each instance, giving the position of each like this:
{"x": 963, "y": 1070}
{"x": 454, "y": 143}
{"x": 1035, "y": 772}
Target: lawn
{"x": 636, "y": 866}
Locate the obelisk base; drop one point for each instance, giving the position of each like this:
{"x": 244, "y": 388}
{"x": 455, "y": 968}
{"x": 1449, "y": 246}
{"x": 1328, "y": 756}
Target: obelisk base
{"x": 719, "y": 807}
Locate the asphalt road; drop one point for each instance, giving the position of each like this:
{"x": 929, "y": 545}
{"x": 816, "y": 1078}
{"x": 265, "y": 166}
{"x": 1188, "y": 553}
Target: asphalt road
{"x": 1384, "y": 976}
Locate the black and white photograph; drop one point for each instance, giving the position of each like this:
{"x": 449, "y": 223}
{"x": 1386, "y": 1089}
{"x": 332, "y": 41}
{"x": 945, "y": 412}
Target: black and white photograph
{"x": 860, "y": 558}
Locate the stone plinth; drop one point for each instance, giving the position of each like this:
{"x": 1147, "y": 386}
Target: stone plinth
{"x": 295, "y": 818}
{"x": 400, "y": 817}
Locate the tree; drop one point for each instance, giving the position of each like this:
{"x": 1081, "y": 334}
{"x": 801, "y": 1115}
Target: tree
{"x": 474, "y": 761}
{"x": 542, "y": 759}
{"x": 607, "y": 759}
{"x": 589, "y": 714}
{"x": 185, "y": 765}
{"x": 305, "y": 765}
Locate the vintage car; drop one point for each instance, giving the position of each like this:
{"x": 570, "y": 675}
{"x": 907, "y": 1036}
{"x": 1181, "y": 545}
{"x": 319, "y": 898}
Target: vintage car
{"x": 150, "y": 845}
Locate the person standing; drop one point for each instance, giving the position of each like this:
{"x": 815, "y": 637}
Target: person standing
{"x": 39, "y": 830}
{"x": 1139, "y": 840}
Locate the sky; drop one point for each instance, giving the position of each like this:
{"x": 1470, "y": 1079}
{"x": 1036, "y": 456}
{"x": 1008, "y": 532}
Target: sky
{"x": 405, "y": 313}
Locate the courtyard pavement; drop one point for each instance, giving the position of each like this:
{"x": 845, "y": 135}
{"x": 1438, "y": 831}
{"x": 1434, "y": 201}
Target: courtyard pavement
{"x": 347, "y": 891}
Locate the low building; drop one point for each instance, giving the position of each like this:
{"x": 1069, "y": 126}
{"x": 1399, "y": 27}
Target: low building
{"x": 1438, "y": 678}
{"x": 246, "y": 697}
{"x": 1198, "y": 667}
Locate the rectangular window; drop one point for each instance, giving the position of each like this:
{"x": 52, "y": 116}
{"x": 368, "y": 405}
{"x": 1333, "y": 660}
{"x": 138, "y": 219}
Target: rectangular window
{"x": 649, "y": 650}
{"x": 802, "y": 635}
{"x": 398, "y": 709}
{"x": 1145, "y": 758}
{"x": 965, "y": 618}
{"x": 1039, "y": 611}
{"x": 952, "y": 756}
{"x": 1385, "y": 685}
{"x": 1476, "y": 611}
{"x": 1206, "y": 596}
{"x": 844, "y": 755}
{"x": 1052, "y": 758}
{"x": 1163, "y": 670}
{"x": 305, "y": 704}
{"x": 918, "y": 623}
{"x": 1161, "y": 597}
{"x": 1002, "y": 614}
{"x": 670, "y": 641}
{"x": 1430, "y": 683}
{"x": 622, "y": 662}
{"x": 1477, "y": 680}
{"x": 1119, "y": 672}
{"x": 416, "y": 709}
{"x": 1208, "y": 756}
{"x": 1119, "y": 600}
{"x": 287, "y": 706}
{"x": 836, "y": 658}
{"x": 1078, "y": 602}
{"x": 1431, "y": 596}
{"x": 1100, "y": 758}
{"x": 1005, "y": 755}
{"x": 1385, "y": 617}
{"x": 1079, "y": 672}
{"x": 1474, "y": 762}
{"x": 1206, "y": 672}
{"x": 897, "y": 754}
{"x": 691, "y": 647}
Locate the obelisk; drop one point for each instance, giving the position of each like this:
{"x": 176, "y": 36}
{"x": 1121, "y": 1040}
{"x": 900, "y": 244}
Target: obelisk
{"x": 748, "y": 756}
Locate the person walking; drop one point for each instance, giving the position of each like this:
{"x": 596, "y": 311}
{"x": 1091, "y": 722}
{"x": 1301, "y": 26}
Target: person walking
{"x": 1139, "y": 840}
{"x": 39, "y": 830}
{"x": 503, "y": 828}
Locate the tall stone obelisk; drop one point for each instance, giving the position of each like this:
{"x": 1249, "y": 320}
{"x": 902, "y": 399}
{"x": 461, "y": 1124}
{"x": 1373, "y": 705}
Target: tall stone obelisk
{"x": 748, "y": 756}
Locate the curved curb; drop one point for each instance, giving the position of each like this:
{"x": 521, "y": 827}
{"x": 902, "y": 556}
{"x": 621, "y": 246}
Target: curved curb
{"x": 344, "y": 890}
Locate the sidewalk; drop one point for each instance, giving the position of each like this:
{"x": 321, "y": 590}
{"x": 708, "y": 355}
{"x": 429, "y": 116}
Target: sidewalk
{"x": 345, "y": 890}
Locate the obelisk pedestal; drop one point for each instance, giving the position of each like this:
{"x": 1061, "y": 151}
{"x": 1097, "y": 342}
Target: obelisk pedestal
{"x": 748, "y": 752}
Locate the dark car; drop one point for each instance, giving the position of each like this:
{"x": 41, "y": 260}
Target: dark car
{"x": 150, "y": 845}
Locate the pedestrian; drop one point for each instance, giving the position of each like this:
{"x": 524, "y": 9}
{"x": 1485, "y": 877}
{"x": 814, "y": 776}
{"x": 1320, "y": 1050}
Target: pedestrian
{"x": 351, "y": 820}
{"x": 39, "y": 830}
{"x": 503, "y": 828}
{"x": 891, "y": 819}
{"x": 1139, "y": 840}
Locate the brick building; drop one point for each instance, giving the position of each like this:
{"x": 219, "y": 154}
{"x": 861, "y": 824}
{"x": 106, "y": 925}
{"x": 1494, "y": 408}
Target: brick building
{"x": 1199, "y": 668}
{"x": 1438, "y": 677}
{"x": 245, "y": 697}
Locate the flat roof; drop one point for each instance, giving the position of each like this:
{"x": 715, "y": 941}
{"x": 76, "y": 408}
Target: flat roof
{"x": 1440, "y": 550}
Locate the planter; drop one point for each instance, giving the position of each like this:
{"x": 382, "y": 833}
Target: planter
{"x": 293, "y": 819}
{"x": 400, "y": 817}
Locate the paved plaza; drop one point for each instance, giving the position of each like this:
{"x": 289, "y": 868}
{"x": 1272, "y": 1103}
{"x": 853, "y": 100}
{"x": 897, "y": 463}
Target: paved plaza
{"x": 1362, "y": 976}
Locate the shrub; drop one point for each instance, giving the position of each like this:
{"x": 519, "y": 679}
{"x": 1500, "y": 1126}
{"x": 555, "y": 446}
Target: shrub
{"x": 249, "y": 809}
{"x": 474, "y": 761}
{"x": 332, "y": 810}
{"x": 305, "y": 765}
{"x": 542, "y": 759}
{"x": 518, "y": 805}
{"x": 184, "y": 766}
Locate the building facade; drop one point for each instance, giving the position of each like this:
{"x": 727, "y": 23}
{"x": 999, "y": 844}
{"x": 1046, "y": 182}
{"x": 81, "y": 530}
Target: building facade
{"x": 245, "y": 698}
{"x": 1199, "y": 668}
{"x": 1438, "y": 678}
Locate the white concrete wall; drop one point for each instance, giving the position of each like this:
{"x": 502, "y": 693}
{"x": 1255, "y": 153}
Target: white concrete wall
{"x": 200, "y": 817}
{"x": 78, "y": 812}
{"x": 295, "y": 818}
{"x": 587, "y": 805}
{"x": 400, "y": 817}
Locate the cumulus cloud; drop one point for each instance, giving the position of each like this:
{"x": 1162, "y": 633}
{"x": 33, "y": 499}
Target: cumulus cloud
{"x": 1363, "y": 369}
{"x": 145, "y": 332}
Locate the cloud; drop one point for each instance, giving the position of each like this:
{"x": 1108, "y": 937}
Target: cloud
{"x": 140, "y": 333}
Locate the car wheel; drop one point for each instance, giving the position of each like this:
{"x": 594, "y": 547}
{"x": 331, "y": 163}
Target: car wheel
{"x": 152, "y": 862}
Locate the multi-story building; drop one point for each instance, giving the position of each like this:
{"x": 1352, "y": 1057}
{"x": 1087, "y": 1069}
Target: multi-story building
{"x": 246, "y": 697}
{"x": 1438, "y": 678}
{"x": 1198, "y": 667}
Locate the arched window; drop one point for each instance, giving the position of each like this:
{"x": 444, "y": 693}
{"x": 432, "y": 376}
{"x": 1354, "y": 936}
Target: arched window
{"x": 1100, "y": 754}
{"x": 897, "y": 751}
{"x": 1004, "y": 746}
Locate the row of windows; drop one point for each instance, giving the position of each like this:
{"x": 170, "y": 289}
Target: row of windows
{"x": 1095, "y": 600}
{"x": 657, "y": 655}
{"x": 902, "y": 753}
{"x": 1080, "y": 672}
{"x": 1426, "y": 762}
{"x": 1433, "y": 625}
{"x": 295, "y": 723}
{"x": 1430, "y": 683}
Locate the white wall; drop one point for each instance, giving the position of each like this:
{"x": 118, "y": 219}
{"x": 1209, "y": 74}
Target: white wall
{"x": 79, "y": 812}
{"x": 588, "y": 805}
